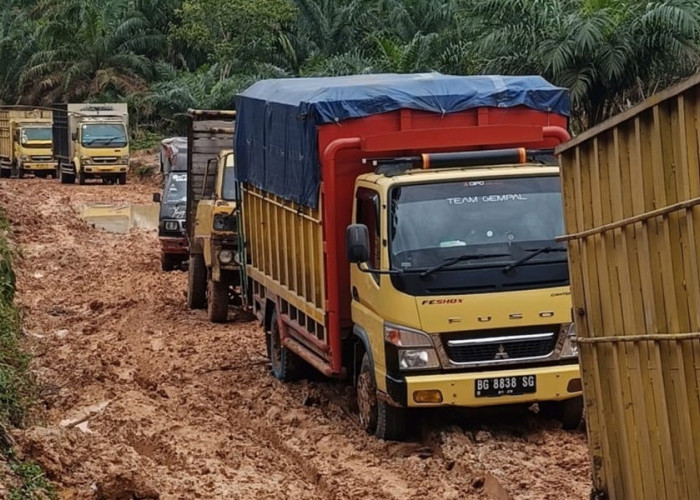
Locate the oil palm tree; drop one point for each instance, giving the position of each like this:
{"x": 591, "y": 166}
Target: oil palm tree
{"x": 600, "y": 49}
{"x": 89, "y": 50}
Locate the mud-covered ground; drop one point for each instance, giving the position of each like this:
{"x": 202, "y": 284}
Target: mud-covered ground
{"x": 143, "y": 398}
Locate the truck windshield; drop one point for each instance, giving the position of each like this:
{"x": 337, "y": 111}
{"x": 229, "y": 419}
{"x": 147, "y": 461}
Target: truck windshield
{"x": 104, "y": 134}
{"x": 36, "y": 134}
{"x": 229, "y": 181}
{"x": 430, "y": 223}
{"x": 176, "y": 189}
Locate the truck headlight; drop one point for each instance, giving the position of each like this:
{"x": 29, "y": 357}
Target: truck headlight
{"x": 24, "y": 158}
{"x": 415, "y": 348}
{"x": 570, "y": 347}
{"x": 225, "y": 256}
{"x": 124, "y": 159}
{"x": 224, "y": 222}
{"x": 171, "y": 225}
{"x": 417, "y": 359}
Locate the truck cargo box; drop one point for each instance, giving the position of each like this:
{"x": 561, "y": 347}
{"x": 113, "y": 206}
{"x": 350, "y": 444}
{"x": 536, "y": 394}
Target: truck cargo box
{"x": 300, "y": 145}
{"x": 631, "y": 191}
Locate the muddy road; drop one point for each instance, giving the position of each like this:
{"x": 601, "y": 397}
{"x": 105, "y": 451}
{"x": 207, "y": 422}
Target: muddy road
{"x": 143, "y": 398}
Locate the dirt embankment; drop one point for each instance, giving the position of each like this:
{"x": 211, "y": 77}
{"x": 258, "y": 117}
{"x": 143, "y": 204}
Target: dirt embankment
{"x": 143, "y": 398}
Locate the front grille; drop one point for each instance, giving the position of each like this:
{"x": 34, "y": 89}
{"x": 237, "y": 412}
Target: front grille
{"x": 42, "y": 158}
{"x": 104, "y": 159}
{"x": 500, "y": 346}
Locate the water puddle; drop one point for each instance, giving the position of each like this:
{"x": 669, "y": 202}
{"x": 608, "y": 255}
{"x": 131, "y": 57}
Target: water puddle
{"x": 120, "y": 218}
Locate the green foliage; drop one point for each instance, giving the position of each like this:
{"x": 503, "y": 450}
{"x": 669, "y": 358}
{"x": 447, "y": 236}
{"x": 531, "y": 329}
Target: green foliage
{"x": 33, "y": 482}
{"x": 164, "y": 56}
{"x": 16, "y": 385}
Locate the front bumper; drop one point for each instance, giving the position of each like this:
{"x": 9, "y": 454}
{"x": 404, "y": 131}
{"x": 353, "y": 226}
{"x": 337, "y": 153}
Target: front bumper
{"x": 174, "y": 245}
{"x": 105, "y": 169}
{"x": 34, "y": 167}
{"x": 554, "y": 383}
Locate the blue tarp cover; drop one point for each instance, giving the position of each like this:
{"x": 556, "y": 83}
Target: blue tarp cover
{"x": 276, "y": 141}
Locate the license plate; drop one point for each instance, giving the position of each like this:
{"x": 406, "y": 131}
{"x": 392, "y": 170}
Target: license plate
{"x": 505, "y": 386}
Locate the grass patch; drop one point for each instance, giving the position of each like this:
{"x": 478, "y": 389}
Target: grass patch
{"x": 17, "y": 387}
{"x": 143, "y": 139}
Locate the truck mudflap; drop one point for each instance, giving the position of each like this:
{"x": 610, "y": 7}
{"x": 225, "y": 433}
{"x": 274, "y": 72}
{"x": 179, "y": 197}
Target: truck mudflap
{"x": 478, "y": 389}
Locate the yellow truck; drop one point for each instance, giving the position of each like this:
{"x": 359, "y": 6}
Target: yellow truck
{"x": 398, "y": 231}
{"x": 211, "y": 216}
{"x": 632, "y": 208}
{"x": 91, "y": 141}
{"x": 25, "y": 142}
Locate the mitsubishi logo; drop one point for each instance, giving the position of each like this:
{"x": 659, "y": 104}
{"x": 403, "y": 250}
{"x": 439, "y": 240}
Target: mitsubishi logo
{"x": 501, "y": 353}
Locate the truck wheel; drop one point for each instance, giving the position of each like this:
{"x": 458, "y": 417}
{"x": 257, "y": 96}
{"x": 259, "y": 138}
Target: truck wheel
{"x": 196, "y": 282}
{"x": 286, "y": 366}
{"x": 569, "y": 412}
{"x": 122, "y": 179}
{"x": 217, "y": 300}
{"x": 5, "y": 173}
{"x": 376, "y": 416}
{"x": 81, "y": 177}
{"x": 20, "y": 173}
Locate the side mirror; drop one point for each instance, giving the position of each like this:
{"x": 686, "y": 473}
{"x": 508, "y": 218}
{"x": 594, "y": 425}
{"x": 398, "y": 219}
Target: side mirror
{"x": 357, "y": 243}
{"x": 156, "y": 197}
{"x": 74, "y": 136}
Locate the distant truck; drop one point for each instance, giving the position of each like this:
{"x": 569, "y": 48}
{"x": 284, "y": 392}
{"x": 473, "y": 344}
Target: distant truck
{"x": 399, "y": 231}
{"x": 171, "y": 221}
{"x": 212, "y": 224}
{"x": 91, "y": 141}
{"x": 25, "y": 142}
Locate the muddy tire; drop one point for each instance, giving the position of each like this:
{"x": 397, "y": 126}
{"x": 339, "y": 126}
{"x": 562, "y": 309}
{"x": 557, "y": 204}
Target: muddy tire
{"x": 5, "y": 173}
{"x": 284, "y": 364}
{"x": 569, "y": 412}
{"x": 217, "y": 300}
{"x": 196, "y": 282}
{"x": 20, "y": 173}
{"x": 81, "y": 178}
{"x": 121, "y": 179}
{"x": 376, "y": 416}
{"x": 169, "y": 262}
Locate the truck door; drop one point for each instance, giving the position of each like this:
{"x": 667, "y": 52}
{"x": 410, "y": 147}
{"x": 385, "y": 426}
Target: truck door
{"x": 366, "y": 287}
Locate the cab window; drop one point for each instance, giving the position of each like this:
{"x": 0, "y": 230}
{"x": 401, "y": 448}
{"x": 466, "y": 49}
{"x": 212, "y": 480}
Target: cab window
{"x": 368, "y": 214}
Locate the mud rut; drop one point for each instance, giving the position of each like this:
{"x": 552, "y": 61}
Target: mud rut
{"x": 142, "y": 398}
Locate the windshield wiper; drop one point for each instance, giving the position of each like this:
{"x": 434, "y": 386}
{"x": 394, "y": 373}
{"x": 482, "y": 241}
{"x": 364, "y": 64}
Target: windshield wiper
{"x": 535, "y": 253}
{"x": 461, "y": 258}
{"x": 110, "y": 140}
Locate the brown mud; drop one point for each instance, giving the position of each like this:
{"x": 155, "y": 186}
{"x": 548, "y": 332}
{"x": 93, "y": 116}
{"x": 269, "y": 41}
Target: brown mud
{"x": 143, "y": 398}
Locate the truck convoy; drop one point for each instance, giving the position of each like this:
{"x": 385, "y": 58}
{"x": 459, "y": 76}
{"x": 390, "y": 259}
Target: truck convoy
{"x": 25, "y": 142}
{"x": 91, "y": 141}
{"x": 399, "y": 231}
{"x": 211, "y": 220}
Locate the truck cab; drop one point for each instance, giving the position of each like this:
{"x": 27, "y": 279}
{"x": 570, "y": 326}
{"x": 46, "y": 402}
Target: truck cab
{"x": 91, "y": 141}
{"x": 171, "y": 223}
{"x": 33, "y": 150}
{"x": 462, "y": 291}
{"x": 214, "y": 272}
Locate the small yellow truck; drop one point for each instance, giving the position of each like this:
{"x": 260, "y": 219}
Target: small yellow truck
{"x": 91, "y": 141}
{"x": 25, "y": 142}
{"x": 211, "y": 215}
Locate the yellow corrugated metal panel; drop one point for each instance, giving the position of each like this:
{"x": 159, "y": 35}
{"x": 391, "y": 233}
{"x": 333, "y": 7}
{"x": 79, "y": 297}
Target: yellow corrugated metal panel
{"x": 285, "y": 247}
{"x": 632, "y": 206}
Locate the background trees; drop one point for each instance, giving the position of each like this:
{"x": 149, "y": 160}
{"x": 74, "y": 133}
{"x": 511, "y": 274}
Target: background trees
{"x": 164, "y": 56}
